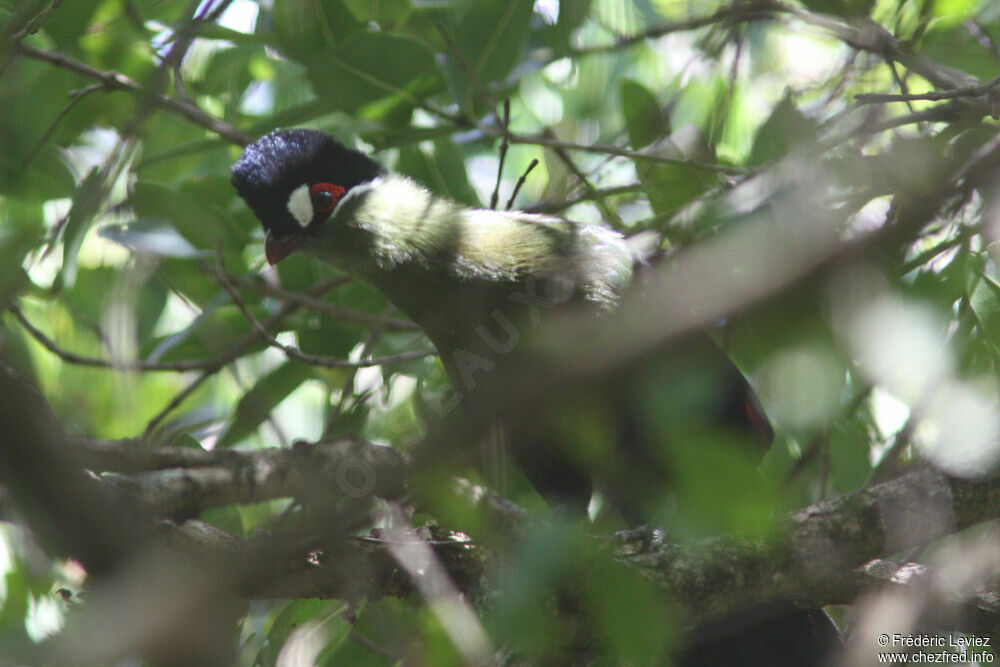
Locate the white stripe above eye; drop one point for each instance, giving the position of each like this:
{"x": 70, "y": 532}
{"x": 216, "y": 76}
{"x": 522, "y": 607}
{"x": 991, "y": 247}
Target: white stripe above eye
{"x": 300, "y": 205}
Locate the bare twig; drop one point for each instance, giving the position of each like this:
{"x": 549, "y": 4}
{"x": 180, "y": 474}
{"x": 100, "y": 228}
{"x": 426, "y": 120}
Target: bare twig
{"x": 520, "y": 183}
{"x": 950, "y": 94}
{"x": 75, "y": 97}
{"x": 123, "y": 364}
{"x": 338, "y": 312}
{"x": 504, "y": 144}
{"x": 609, "y": 214}
{"x": 297, "y": 354}
{"x": 732, "y": 13}
{"x": 238, "y": 350}
{"x": 638, "y": 156}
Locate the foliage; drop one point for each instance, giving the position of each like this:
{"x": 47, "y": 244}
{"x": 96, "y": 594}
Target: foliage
{"x": 864, "y": 231}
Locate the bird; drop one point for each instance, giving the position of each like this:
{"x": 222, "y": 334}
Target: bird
{"x": 475, "y": 280}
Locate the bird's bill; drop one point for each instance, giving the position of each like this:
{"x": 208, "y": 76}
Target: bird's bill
{"x": 276, "y": 249}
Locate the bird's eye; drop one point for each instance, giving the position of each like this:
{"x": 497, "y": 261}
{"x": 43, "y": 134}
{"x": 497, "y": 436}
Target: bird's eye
{"x": 325, "y": 196}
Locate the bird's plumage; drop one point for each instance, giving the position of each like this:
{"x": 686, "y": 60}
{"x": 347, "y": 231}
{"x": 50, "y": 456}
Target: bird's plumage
{"x": 462, "y": 274}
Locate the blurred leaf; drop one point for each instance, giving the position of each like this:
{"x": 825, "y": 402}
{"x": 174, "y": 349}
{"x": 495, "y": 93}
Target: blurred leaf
{"x": 71, "y": 21}
{"x": 32, "y": 97}
{"x": 644, "y": 119}
{"x": 849, "y": 455}
{"x": 671, "y": 186}
{"x": 152, "y": 236}
{"x": 86, "y": 200}
{"x": 200, "y": 213}
{"x": 389, "y": 623}
{"x": 212, "y": 333}
{"x": 257, "y": 404}
{"x": 19, "y": 21}
{"x": 785, "y": 129}
{"x": 293, "y": 616}
{"x": 953, "y": 45}
{"x": 571, "y": 16}
{"x": 94, "y": 289}
{"x": 229, "y": 70}
{"x": 15, "y": 605}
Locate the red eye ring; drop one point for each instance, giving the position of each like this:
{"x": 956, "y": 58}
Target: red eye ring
{"x": 325, "y": 196}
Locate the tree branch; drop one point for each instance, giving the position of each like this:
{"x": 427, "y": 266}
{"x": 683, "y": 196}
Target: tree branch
{"x": 348, "y": 467}
{"x": 114, "y": 81}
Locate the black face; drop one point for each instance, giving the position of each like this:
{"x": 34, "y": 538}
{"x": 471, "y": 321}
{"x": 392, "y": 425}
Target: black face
{"x": 293, "y": 179}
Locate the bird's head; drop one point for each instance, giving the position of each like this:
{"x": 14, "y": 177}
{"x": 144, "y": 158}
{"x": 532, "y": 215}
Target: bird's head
{"x": 293, "y": 181}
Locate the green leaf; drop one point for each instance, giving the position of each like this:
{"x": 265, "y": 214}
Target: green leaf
{"x": 671, "y": 186}
{"x": 325, "y": 336}
{"x": 369, "y": 67}
{"x": 95, "y": 288}
{"x": 785, "y": 129}
{"x": 985, "y": 302}
{"x": 71, "y": 21}
{"x": 488, "y": 42}
{"x": 200, "y": 213}
{"x": 226, "y": 518}
{"x": 257, "y": 404}
{"x": 644, "y": 119}
{"x": 214, "y": 332}
{"x": 302, "y": 28}
{"x": 296, "y": 614}
{"x": 951, "y": 44}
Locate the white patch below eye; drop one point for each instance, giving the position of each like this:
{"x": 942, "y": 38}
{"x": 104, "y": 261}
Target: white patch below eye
{"x": 300, "y": 205}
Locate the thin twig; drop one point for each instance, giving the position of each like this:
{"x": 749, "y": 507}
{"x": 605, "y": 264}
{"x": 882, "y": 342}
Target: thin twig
{"x": 951, "y": 94}
{"x": 297, "y": 354}
{"x": 552, "y": 142}
{"x": 609, "y": 215}
{"x": 520, "y": 183}
{"x": 118, "y": 365}
{"x": 235, "y": 352}
{"x": 504, "y": 144}
{"x": 547, "y": 207}
{"x": 75, "y": 97}
{"x": 337, "y": 312}
{"x": 112, "y": 80}
{"x": 746, "y": 11}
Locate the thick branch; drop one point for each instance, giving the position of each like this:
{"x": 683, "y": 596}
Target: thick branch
{"x": 331, "y": 470}
{"x": 820, "y": 546}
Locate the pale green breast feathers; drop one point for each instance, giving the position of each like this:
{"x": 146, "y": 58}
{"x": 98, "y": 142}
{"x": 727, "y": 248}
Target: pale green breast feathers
{"x": 405, "y": 225}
